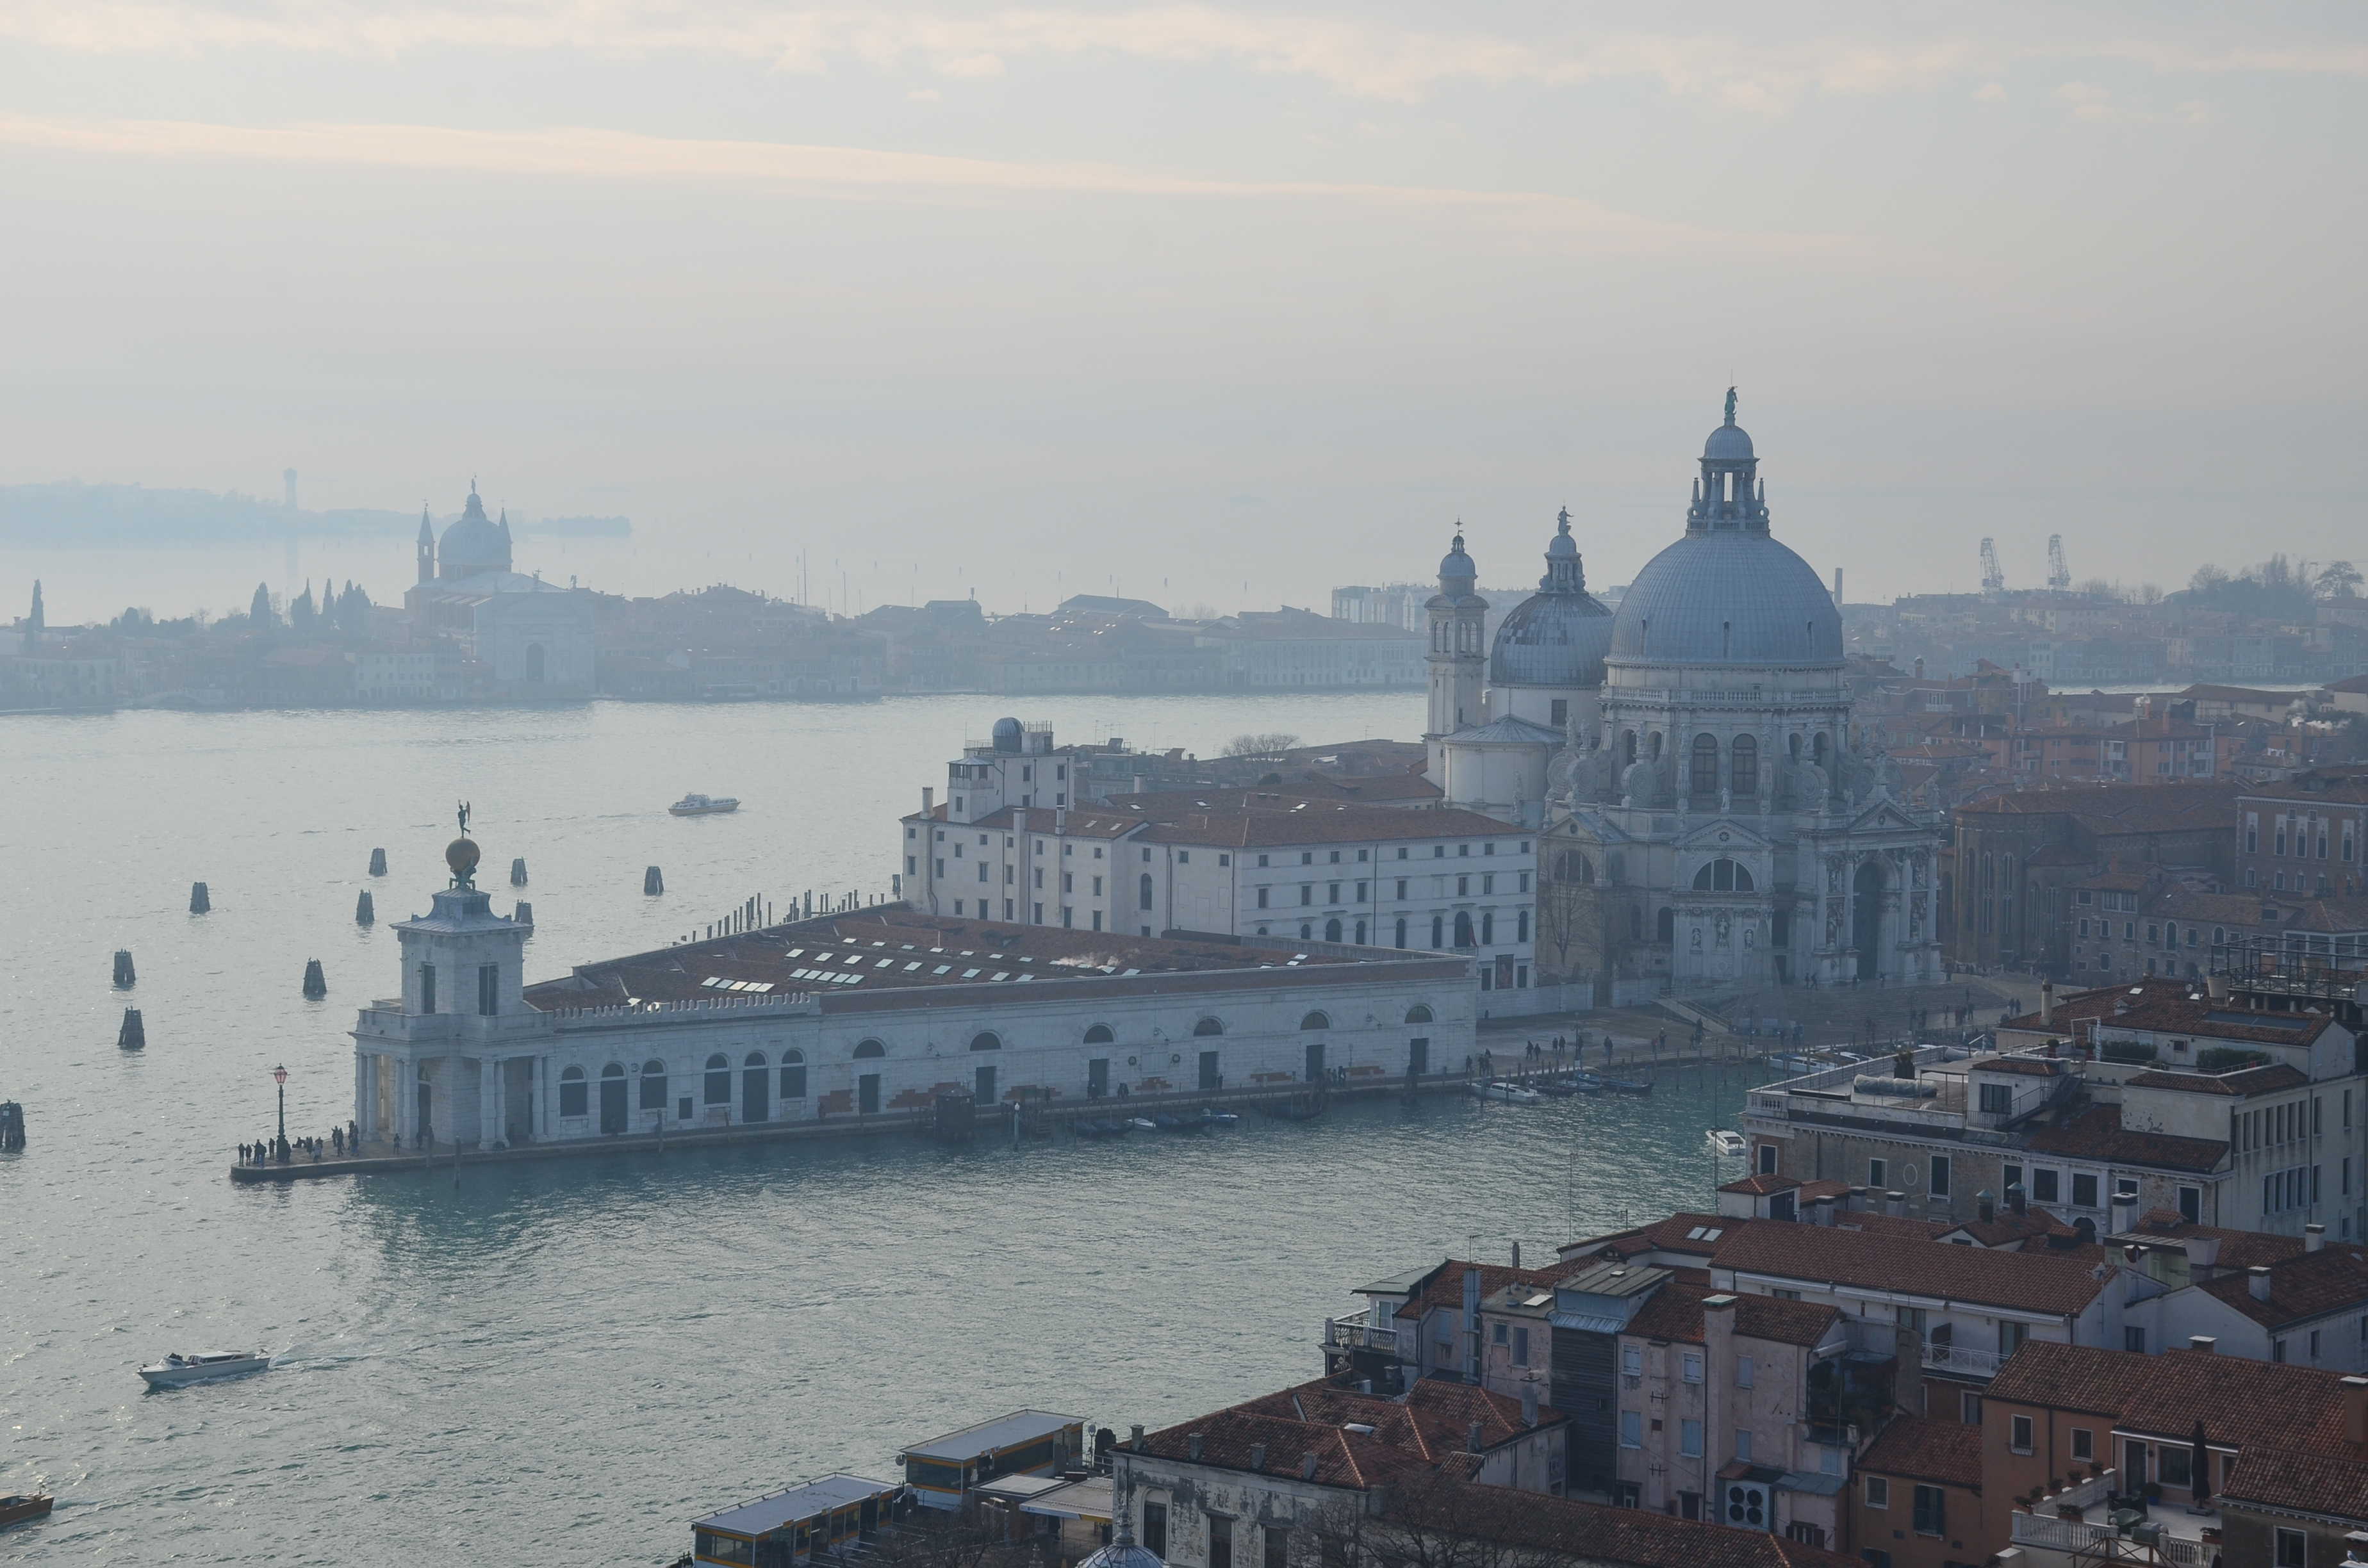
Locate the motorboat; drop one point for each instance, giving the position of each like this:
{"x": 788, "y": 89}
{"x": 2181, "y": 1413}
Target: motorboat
{"x": 1628, "y": 1086}
{"x": 1511, "y": 1093}
{"x": 704, "y": 805}
{"x": 1214, "y": 1117}
{"x": 1725, "y": 1141}
{"x": 18, "y": 1507}
{"x": 1172, "y": 1124}
{"x": 177, "y": 1370}
{"x": 1141, "y": 1124}
{"x": 1585, "y": 1083}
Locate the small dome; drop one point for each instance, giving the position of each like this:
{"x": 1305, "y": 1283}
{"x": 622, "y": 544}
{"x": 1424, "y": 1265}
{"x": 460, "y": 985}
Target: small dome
{"x": 1728, "y": 596}
{"x": 1123, "y": 1553}
{"x": 1730, "y": 442}
{"x": 1006, "y": 734}
{"x": 1556, "y": 640}
{"x": 1455, "y": 563}
{"x": 474, "y": 544}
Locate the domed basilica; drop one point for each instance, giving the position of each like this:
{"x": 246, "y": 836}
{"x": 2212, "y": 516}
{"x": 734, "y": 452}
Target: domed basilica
{"x": 1706, "y": 813}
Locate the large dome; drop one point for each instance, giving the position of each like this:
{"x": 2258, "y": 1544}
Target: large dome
{"x": 1727, "y": 596}
{"x": 1552, "y": 640}
{"x": 474, "y": 544}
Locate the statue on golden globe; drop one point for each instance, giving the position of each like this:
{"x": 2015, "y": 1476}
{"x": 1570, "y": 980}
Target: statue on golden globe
{"x": 462, "y": 855}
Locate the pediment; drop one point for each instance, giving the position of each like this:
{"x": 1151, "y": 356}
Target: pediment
{"x": 1724, "y": 835}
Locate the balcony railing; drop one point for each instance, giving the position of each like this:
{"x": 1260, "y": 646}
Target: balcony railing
{"x": 2103, "y": 1543}
{"x": 1358, "y": 1333}
{"x": 1962, "y": 1359}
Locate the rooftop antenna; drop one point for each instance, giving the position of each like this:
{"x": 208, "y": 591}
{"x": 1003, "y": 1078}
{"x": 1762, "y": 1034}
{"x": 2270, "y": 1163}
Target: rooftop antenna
{"x": 2059, "y": 575}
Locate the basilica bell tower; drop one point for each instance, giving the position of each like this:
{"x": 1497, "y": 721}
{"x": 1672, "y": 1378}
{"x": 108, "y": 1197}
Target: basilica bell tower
{"x": 1458, "y": 656}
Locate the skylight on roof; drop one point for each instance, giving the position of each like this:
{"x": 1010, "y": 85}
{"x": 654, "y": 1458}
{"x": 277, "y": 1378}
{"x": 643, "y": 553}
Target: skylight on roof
{"x": 1540, "y": 1300}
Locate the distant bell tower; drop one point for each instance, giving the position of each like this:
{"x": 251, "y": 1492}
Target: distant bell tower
{"x": 36, "y": 622}
{"x": 1459, "y": 653}
{"x": 427, "y": 546}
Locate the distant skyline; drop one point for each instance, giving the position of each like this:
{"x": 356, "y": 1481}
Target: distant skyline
{"x": 1208, "y": 294}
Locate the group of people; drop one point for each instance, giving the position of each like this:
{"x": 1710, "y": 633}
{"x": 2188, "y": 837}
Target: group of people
{"x": 280, "y": 1151}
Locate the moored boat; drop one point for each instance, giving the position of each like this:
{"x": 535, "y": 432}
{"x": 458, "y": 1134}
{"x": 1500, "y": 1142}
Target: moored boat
{"x": 1628, "y": 1086}
{"x": 177, "y": 1370}
{"x": 1724, "y": 1140}
{"x": 704, "y": 805}
{"x": 1509, "y": 1094}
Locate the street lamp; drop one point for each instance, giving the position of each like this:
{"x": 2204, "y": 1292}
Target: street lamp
{"x": 280, "y": 1076}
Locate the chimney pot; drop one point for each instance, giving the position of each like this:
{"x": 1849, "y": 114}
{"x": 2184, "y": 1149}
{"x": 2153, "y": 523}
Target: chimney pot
{"x": 2257, "y": 1282}
{"x": 2014, "y": 1198}
{"x": 2202, "y": 1343}
{"x": 1856, "y": 1202}
{"x": 1134, "y": 1439}
{"x": 1986, "y": 1205}
{"x": 1472, "y": 1438}
{"x": 1258, "y": 1456}
{"x": 1529, "y": 1405}
{"x": 2355, "y": 1412}
{"x": 2313, "y": 1237}
{"x": 1895, "y": 1204}
{"x": 1517, "y": 1254}
{"x": 928, "y": 799}
{"x": 1307, "y": 1465}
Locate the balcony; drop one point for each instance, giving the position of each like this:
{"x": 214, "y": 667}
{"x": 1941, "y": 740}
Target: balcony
{"x": 1961, "y": 1360}
{"x": 1358, "y": 1333}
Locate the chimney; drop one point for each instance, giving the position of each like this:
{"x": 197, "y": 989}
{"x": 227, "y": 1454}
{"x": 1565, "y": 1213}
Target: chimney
{"x": 2124, "y": 1212}
{"x": 1986, "y": 1206}
{"x": 928, "y": 799}
{"x": 1258, "y": 1456}
{"x": 1821, "y": 1209}
{"x": 1307, "y": 1465}
{"x": 1517, "y": 1252}
{"x": 2355, "y": 1410}
{"x": 1474, "y": 1439}
{"x": 2313, "y": 1237}
{"x": 1019, "y": 824}
{"x": 2202, "y": 1343}
{"x": 1472, "y": 1325}
{"x": 2047, "y": 1003}
{"x": 2014, "y": 1198}
{"x": 1855, "y": 1203}
{"x": 1837, "y": 584}
{"x": 1134, "y": 1439}
{"x": 1895, "y": 1205}
{"x": 1060, "y": 820}
{"x": 1529, "y": 1405}
{"x": 1192, "y": 1447}
{"x": 2256, "y": 1281}
{"x": 2202, "y": 1255}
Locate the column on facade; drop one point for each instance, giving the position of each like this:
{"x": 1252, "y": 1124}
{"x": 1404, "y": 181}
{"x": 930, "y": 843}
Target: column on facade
{"x": 496, "y": 1130}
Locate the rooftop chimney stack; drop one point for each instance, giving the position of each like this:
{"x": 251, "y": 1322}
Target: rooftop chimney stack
{"x": 1986, "y": 1206}
{"x": 1192, "y": 1447}
{"x": 1134, "y": 1439}
{"x": 2202, "y": 1343}
{"x": 2355, "y": 1410}
{"x": 1474, "y": 1438}
{"x": 2256, "y": 1281}
{"x": 1821, "y": 1209}
{"x": 1529, "y": 1405}
{"x": 928, "y": 799}
{"x": 2313, "y": 1237}
{"x": 1307, "y": 1465}
{"x": 1895, "y": 1205}
{"x": 2014, "y": 1198}
{"x": 1258, "y": 1456}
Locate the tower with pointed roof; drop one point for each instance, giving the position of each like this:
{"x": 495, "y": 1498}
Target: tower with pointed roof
{"x": 427, "y": 546}
{"x": 1459, "y": 652}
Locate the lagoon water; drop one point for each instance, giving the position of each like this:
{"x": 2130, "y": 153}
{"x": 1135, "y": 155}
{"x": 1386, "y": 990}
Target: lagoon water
{"x": 564, "y": 1362}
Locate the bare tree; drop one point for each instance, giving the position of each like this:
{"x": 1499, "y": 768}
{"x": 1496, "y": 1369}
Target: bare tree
{"x": 1427, "y": 1520}
{"x": 1268, "y": 744}
{"x": 2207, "y": 577}
{"x": 1570, "y": 917}
{"x": 2339, "y": 580}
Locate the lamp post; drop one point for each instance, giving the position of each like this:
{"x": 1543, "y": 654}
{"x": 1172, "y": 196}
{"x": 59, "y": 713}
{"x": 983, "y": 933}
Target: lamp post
{"x": 280, "y": 1076}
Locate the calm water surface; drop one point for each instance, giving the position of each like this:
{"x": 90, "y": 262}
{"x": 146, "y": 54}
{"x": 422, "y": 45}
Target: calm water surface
{"x": 566, "y": 1362}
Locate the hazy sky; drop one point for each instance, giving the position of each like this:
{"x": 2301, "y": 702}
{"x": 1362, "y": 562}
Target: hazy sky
{"x": 1268, "y": 294}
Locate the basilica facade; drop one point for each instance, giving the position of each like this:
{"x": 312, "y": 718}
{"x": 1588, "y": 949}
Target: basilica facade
{"x": 1708, "y": 813}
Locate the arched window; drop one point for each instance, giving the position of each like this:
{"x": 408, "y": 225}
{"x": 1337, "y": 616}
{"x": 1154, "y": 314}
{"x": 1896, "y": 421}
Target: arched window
{"x": 1361, "y": 933}
{"x": 1703, "y": 773}
{"x": 574, "y": 1094}
{"x": 1402, "y": 931}
{"x": 793, "y": 1074}
{"x": 1656, "y": 749}
{"x": 1418, "y": 1014}
{"x": 868, "y": 1048}
{"x": 985, "y": 1040}
{"x": 1316, "y": 1021}
{"x": 1723, "y": 876}
{"x": 1665, "y": 926}
{"x": 1792, "y": 746}
{"x": 1438, "y": 933}
{"x": 1208, "y": 1027}
{"x": 1744, "y": 773}
{"x": 1818, "y": 749}
{"x": 1627, "y": 747}
{"x": 654, "y": 1086}
{"x": 754, "y": 1059}
{"x": 1463, "y": 930}
{"x": 1522, "y": 933}
{"x": 717, "y": 1090}
{"x": 1100, "y": 1035}
{"x": 1332, "y": 929}
{"x": 1489, "y": 929}
{"x": 1143, "y": 890}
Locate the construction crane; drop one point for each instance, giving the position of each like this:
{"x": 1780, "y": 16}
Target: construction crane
{"x": 1993, "y": 580}
{"x": 2059, "y": 576}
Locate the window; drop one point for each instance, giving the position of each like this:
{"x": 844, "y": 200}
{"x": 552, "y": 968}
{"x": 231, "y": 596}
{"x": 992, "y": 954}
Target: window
{"x": 2191, "y": 1204}
{"x": 654, "y": 1086}
{"x": 1278, "y": 1547}
{"x": 2044, "y": 1185}
{"x": 1743, "y": 1371}
{"x": 1938, "y": 1176}
{"x": 2011, "y": 1338}
{"x": 1208, "y": 1027}
{"x": 1704, "y": 770}
{"x": 1690, "y": 1367}
{"x": 1969, "y": 1408}
{"x": 1743, "y": 775}
{"x": 2175, "y": 1465}
{"x": 1932, "y": 1511}
{"x": 1878, "y": 1492}
{"x": 1631, "y": 1429}
{"x": 717, "y": 1086}
{"x": 1155, "y": 1528}
{"x": 489, "y": 989}
{"x": 1521, "y": 1348}
{"x": 1723, "y": 876}
{"x": 2084, "y": 1443}
{"x": 1632, "y": 1359}
{"x": 428, "y": 988}
{"x": 2293, "y": 1549}
{"x": 793, "y": 1074}
{"x": 1690, "y": 1438}
{"x": 574, "y": 1094}
{"x": 2084, "y": 1190}
{"x": 1143, "y": 893}
{"x": 986, "y": 1041}
{"x": 1997, "y": 1099}
{"x": 2018, "y": 1434}
{"x": 1874, "y": 1173}
{"x": 1221, "y": 1541}
{"x": 1743, "y": 1444}
{"x": 2133, "y": 1339}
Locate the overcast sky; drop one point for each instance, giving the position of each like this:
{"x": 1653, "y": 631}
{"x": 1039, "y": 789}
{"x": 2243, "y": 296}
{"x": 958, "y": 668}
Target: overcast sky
{"x": 1187, "y": 296}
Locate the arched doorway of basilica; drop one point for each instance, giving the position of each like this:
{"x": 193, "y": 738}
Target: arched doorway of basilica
{"x": 1866, "y": 917}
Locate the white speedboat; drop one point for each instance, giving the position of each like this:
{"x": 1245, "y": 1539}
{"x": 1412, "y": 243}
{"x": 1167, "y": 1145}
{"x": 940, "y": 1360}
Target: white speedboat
{"x": 704, "y": 805}
{"x": 1511, "y": 1093}
{"x": 176, "y": 1370}
{"x": 1724, "y": 1142}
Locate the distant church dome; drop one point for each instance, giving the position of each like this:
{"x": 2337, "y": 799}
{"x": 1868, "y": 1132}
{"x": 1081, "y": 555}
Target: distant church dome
{"x": 1727, "y": 593}
{"x": 1455, "y": 563}
{"x": 474, "y": 545}
{"x": 1557, "y": 636}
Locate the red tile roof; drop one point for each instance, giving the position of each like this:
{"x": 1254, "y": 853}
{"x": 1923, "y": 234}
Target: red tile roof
{"x": 1949, "y": 1453}
{"x": 2239, "y": 1249}
{"x": 2300, "y": 1481}
{"x": 1428, "y": 1427}
{"x": 2239, "y": 1403}
{"x": 1443, "y": 1287}
{"x": 2244, "y": 1080}
{"x": 2035, "y": 1282}
{"x": 1562, "y": 1530}
{"x": 2309, "y": 1285}
{"x": 2070, "y": 1377}
{"x": 2096, "y": 1135}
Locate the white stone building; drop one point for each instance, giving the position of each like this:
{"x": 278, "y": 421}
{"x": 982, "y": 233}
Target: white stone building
{"x": 868, "y": 1014}
{"x": 531, "y": 638}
